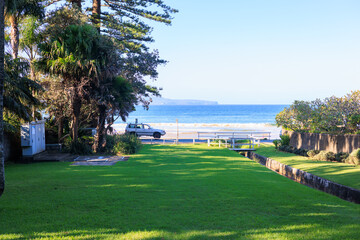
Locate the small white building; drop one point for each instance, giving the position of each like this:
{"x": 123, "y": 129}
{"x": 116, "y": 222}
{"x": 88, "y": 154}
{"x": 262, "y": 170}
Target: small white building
{"x": 33, "y": 138}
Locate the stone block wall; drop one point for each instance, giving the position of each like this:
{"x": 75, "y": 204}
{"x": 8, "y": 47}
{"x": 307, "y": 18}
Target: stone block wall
{"x": 323, "y": 141}
{"x": 308, "y": 179}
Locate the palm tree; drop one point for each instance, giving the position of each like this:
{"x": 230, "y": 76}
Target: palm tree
{"x": 2, "y": 77}
{"x": 76, "y": 56}
{"x": 15, "y": 11}
{"x": 18, "y": 97}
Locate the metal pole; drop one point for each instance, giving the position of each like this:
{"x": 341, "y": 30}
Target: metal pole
{"x": 177, "y": 131}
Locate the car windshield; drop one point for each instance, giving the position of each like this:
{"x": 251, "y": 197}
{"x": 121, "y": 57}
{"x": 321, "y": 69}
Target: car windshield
{"x": 146, "y": 126}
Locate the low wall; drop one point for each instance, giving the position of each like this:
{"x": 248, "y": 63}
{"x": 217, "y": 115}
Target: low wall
{"x": 308, "y": 179}
{"x": 323, "y": 141}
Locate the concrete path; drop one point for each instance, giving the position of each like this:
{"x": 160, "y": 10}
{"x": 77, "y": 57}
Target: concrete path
{"x": 98, "y": 160}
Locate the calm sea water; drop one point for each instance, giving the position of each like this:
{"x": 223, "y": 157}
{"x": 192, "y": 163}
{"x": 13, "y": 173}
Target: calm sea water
{"x": 207, "y": 114}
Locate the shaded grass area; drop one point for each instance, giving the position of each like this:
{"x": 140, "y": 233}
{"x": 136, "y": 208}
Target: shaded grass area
{"x": 169, "y": 192}
{"x": 342, "y": 173}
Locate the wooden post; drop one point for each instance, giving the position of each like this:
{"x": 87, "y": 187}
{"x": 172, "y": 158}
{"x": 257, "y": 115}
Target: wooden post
{"x": 208, "y": 142}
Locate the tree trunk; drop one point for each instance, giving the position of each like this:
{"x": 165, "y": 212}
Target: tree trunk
{"x": 75, "y": 107}
{"x": 32, "y": 77}
{"x": 99, "y": 140}
{"x": 60, "y": 128}
{"x": 2, "y": 76}
{"x": 96, "y": 10}
{"x": 14, "y": 35}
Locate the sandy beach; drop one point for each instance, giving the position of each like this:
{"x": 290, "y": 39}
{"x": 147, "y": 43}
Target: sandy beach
{"x": 189, "y": 130}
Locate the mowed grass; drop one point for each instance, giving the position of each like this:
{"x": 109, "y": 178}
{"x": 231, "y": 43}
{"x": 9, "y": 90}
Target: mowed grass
{"x": 169, "y": 192}
{"x": 343, "y": 173}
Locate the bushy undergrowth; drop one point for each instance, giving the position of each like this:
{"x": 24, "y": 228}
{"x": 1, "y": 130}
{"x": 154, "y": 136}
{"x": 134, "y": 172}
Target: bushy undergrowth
{"x": 285, "y": 140}
{"x": 312, "y": 153}
{"x": 354, "y": 157}
{"x": 325, "y": 156}
{"x": 276, "y": 143}
{"x": 283, "y": 143}
{"x": 125, "y": 143}
{"x": 290, "y": 149}
{"x": 80, "y": 147}
{"x": 341, "y": 157}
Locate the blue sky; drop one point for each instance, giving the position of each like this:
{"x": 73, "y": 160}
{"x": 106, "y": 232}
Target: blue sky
{"x": 259, "y": 51}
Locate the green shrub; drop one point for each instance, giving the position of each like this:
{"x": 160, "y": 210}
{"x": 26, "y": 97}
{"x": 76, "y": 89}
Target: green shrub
{"x": 341, "y": 157}
{"x": 127, "y": 144}
{"x": 287, "y": 148}
{"x": 312, "y": 153}
{"x": 354, "y": 157}
{"x": 276, "y": 143}
{"x": 80, "y": 147}
{"x": 300, "y": 151}
{"x": 285, "y": 140}
{"x": 325, "y": 156}
{"x": 110, "y": 143}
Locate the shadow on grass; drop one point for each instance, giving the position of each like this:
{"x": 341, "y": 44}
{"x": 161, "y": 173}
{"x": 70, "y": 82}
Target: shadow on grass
{"x": 169, "y": 192}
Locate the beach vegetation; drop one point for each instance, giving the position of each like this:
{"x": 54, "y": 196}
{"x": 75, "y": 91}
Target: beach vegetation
{"x": 324, "y": 156}
{"x": 79, "y": 147}
{"x": 171, "y": 192}
{"x": 285, "y": 140}
{"x": 126, "y": 144}
{"x": 341, "y": 156}
{"x": 354, "y": 157}
{"x": 276, "y": 143}
{"x": 336, "y": 115}
{"x": 312, "y": 153}
{"x": 283, "y": 143}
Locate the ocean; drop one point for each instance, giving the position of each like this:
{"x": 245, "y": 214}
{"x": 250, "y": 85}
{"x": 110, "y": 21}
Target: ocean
{"x": 236, "y": 114}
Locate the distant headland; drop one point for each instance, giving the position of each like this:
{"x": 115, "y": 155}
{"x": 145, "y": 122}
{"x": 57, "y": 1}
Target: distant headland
{"x": 167, "y": 101}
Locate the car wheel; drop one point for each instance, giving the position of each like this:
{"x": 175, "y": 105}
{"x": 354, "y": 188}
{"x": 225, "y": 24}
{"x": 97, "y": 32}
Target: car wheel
{"x": 132, "y": 133}
{"x": 157, "y": 135}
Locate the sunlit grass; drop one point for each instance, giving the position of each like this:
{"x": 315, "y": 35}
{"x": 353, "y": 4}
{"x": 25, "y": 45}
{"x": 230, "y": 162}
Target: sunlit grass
{"x": 342, "y": 173}
{"x": 169, "y": 192}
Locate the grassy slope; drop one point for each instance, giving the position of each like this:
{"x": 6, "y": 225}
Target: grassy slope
{"x": 169, "y": 192}
{"x": 342, "y": 173}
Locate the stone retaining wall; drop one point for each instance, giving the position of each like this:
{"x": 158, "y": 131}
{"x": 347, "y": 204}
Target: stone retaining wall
{"x": 308, "y": 179}
{"x": 323, "y": 141}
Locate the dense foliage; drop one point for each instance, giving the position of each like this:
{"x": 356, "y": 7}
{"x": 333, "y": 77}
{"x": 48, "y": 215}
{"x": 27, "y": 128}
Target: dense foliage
{"x": 124, "y": 144}
{"x": 338, "y": 115}
{"x": 93, "y": 67}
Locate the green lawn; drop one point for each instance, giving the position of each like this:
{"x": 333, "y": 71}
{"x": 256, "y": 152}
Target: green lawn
{"x": 342, "y": 173}
{"x": 169, "y": 192}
